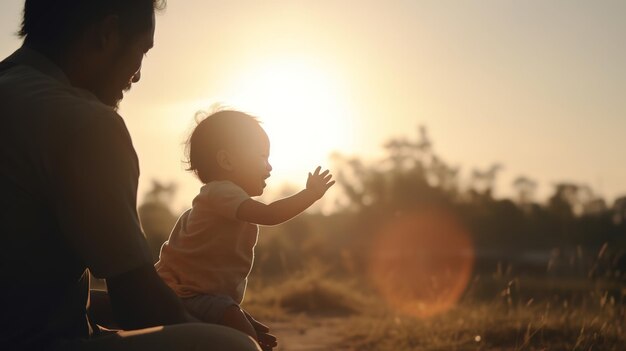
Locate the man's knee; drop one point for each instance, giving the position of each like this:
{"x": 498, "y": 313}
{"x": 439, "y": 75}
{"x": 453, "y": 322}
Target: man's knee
{"x": 204, "y": 336}
{"x": 180, "y": 337}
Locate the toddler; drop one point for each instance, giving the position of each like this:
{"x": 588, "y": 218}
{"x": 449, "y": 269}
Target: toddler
{"x": 210, "y": 251}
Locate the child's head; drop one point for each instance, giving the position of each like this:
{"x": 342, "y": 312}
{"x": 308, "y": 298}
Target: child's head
{"x": 230, "y": 145}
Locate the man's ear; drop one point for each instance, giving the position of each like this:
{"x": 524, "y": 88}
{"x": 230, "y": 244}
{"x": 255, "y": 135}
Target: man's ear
{"x": 108, "y": 33}
{"x": 224, "y": 160}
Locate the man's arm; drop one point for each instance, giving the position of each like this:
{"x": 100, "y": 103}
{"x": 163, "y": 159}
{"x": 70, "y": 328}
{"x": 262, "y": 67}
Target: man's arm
{"x": 140, "y": 299}
{"x": 93, "y": 182}
{"x": 100, "y": 309}
{"x": 284, "y": 209}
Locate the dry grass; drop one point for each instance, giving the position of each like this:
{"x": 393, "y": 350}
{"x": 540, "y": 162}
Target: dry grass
{"x": 596, "y": 321}
{"x": 311, "y": 293}
{"x": 490, "y": 327}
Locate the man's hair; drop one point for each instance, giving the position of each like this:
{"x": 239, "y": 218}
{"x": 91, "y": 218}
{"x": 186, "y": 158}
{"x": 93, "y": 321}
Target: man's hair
{"x": 55, "y": 24}
{"x": 221, "y": 130}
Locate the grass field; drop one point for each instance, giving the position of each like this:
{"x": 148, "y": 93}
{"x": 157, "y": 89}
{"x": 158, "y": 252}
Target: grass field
{"x": 522, "y": 314}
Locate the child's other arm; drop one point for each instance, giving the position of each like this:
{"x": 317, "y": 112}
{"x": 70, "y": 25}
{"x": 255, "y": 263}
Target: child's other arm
{"x": 285, "y": 209}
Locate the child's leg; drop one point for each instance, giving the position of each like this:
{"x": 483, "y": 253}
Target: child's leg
{"x": 265, "y": 339}
{"x": 219, "y": 309}
{"x": 234, "y": 317}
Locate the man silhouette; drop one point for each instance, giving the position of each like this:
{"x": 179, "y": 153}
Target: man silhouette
{"x": 68, "y": 179}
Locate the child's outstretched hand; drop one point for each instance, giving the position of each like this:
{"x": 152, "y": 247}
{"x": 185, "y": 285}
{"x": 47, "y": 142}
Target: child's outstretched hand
{"x": 318, "y": 182}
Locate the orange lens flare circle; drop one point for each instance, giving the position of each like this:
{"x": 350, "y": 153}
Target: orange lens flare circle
{"x": 421, "y": 262}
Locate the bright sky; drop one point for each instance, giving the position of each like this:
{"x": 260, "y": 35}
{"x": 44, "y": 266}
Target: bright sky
{"x": 535, "y": 85}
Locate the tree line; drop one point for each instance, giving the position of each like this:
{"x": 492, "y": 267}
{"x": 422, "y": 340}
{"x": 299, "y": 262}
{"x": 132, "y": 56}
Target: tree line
{"x": 573, "y": 233}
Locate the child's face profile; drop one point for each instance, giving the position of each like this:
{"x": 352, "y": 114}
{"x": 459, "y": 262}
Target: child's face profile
{"x": 251, "y": 165}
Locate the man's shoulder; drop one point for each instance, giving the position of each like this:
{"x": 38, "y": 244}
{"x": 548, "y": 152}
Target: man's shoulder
{"x": 33, "y": 98}
{"x": 27, "y": 83}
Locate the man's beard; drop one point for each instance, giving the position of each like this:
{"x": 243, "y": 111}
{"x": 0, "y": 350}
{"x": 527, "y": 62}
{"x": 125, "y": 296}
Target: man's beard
{"x": 116, "y": 104}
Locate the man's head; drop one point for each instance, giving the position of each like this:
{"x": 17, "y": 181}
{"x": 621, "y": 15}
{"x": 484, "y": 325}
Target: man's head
{"x": 99, "y": 44}
{"x": 230, "y": 145}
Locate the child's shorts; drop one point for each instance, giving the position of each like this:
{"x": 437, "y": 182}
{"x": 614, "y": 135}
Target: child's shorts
{"x": 208, "y": 308}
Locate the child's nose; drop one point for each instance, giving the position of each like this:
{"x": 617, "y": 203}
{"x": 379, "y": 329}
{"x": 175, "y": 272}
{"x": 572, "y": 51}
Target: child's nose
{"x": 268, "y": 166}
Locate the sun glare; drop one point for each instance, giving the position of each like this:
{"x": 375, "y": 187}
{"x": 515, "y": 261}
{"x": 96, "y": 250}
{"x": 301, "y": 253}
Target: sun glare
{"x": 302, "y": 106}
{"x": 421, "y": 262}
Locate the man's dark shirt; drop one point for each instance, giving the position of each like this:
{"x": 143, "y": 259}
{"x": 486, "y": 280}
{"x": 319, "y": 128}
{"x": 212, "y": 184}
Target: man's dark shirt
{"x": 68, "y": 180}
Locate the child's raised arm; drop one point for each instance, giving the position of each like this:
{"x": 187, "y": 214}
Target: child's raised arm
{"x": 285, "y": 209}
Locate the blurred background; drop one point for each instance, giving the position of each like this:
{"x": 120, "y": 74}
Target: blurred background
{"x": 478, "y": 149}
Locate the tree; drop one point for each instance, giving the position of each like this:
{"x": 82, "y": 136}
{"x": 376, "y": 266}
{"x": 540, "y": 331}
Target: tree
{"x": 526, "y": 188}
{"x": 482, "y": 183}
{"x": 157, "y": 219}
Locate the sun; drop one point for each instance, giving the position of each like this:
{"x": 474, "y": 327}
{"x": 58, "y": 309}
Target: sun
{"x": 304, "y": 108}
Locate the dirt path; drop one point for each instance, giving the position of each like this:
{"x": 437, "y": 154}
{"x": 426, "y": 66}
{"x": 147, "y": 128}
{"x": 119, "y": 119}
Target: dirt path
{"x": 303, "y": 334}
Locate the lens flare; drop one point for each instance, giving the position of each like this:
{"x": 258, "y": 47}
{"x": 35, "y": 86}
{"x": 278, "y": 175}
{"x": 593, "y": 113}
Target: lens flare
{"x": 421, "y": 262}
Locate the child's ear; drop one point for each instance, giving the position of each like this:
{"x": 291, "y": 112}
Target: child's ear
{"x": 224, "y": 160}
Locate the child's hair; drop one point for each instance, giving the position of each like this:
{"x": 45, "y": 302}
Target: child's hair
{"x": 220, "y": 130}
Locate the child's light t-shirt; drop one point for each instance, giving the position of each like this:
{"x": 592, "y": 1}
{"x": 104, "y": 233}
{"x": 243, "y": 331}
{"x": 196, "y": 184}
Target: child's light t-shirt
{"x": 209, "y": 250}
